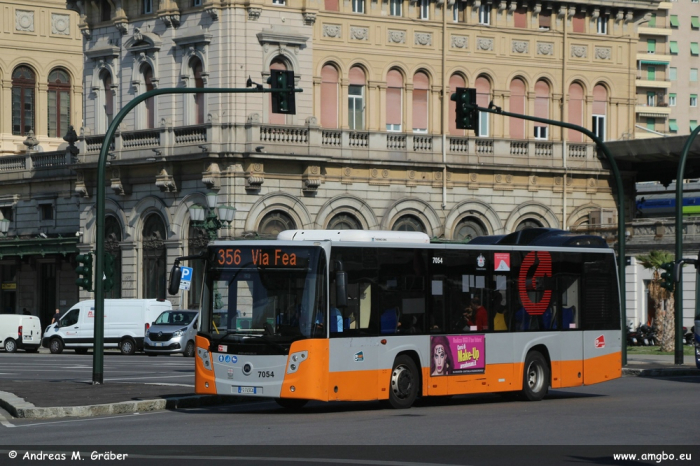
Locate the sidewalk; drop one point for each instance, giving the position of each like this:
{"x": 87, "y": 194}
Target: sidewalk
{"x": 44, "y": 400}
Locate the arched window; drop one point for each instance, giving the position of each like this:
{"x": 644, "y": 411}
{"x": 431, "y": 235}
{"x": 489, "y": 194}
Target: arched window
{"x": 344, "y": 221}
{"x": 196, "y": 66}
{"x": 421, "y": 86}
{"x": 107, "y": 100}
{"x": 113, "y": 237}
{"x": 541, "y": 109}
{"x": 277, "y": 118}
{"x": 275, "y": 222}
{"x": 600, "y": 99}
{"x": 575, "y": 111}
{"x": 455, "y": 82}
{"x": 23, "y": 85}
{"x": 469, "y": 228}
{"x": 408, "y": 223}
{"x": 59, "y": 103}
{"x": 154, "y": 256}
{"x": 150, "y": 110}
{"x": 329, "y": 97}
{"x": 356, "y": 99}
{"x": 527, "y": 224}
{"x": 517, "y": 105}
{"x": 105, "y": 10}
{"x": 483, "y": 97}
{"x": 394, "y": 100}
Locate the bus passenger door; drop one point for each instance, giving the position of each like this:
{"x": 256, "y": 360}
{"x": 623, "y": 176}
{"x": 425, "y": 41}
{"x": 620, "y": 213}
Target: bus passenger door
{"x": 354, "y": 352}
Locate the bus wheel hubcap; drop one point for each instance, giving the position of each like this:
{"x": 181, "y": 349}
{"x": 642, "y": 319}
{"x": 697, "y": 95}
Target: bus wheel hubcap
{"x": 401, "y": 381}
{"x": 534, "y": 377}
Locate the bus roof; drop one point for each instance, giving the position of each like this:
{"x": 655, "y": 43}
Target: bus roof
{"x": 354, "y": 236}
{"x": 543, "y": 237}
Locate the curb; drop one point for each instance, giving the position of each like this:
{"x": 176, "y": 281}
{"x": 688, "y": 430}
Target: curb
{"x": 19, "y": 408}
{"x": 665, "y": 372}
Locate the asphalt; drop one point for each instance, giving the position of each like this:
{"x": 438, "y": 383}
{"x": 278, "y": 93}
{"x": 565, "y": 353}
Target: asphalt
{"x": 53, "y": 399}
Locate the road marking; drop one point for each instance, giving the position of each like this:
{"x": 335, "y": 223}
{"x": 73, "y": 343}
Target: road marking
{"x": 170, "y": 384}
{"x": 144, "y": 378}
{"x": 88, "y": 419}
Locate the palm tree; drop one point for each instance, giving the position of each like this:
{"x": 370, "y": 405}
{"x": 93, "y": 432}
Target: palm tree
{"x": 664, "y": 316}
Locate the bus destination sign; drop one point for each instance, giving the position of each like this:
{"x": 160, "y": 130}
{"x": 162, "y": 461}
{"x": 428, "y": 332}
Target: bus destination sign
{"x": 261, "y": 257}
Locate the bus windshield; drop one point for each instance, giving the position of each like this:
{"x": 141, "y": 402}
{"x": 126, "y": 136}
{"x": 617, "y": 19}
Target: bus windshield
{"x": 272, "y": 291}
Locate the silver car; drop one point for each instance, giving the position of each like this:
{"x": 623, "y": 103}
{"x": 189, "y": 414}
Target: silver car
{"x": 172, "y": 332}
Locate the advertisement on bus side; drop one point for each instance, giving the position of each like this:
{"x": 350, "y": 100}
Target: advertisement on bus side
{"x": 457, "y": 355}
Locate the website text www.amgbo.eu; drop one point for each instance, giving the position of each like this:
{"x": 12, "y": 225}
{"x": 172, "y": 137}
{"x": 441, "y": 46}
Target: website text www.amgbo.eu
{"x": 656, "y": 457}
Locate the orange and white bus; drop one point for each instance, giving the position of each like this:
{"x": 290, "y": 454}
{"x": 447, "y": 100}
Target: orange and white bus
{"x": 383, "y": 315}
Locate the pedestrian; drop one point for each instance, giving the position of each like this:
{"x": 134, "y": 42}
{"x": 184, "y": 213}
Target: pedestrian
{"x": 56, "y": 316}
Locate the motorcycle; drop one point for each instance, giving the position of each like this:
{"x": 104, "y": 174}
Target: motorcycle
{"x": 632, "y": 335}
{"x": 688, "y": 335}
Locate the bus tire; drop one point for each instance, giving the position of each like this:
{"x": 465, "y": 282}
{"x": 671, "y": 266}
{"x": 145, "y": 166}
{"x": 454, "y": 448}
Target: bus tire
{"x": 404, "y": 383}
{"x": 127, "y": 346}
{"x": 291, "y": 403}
{"x": 535, "y": 377}
{"x": 10, "y": 345}
{"x": 56, "y": 346}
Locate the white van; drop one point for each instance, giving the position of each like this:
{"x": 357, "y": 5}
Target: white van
{"x": 19, "y": 331}
{"x": 125, "y": 323}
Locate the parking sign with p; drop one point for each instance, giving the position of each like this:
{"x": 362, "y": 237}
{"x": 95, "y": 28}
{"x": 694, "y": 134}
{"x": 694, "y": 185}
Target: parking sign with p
{"x": 186, "y": 278}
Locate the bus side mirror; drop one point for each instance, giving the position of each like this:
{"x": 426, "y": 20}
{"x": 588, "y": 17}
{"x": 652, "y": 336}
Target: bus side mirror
{"x": 174, "y": 283}
{"x": 341, "y": 288}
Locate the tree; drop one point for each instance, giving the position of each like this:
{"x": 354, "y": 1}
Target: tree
{"x": 664, "y": 316}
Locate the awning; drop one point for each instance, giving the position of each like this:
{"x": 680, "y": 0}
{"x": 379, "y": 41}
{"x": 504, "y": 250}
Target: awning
{"x": 654, "y": 62}
{"x": 38, "y": 246}
{"x": 674, "y": 46}
{"x": 693, "y": 125}
{"x": 672, "y": 125}
{"x": 674, "y": 20}
{"x": 695, "y": 21}
{"x": 694, "y": 48}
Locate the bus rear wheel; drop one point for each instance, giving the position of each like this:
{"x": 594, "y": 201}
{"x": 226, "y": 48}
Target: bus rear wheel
{"x": 291, "y": 403}
{"x": 535, "y": 377}
{"x": 405, "y": 382}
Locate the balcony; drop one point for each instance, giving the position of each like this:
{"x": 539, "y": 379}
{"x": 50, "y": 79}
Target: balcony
{"x": 656, "y": 31}
{"x": 36, "y": 164}
{"x": 658, "y": 111}
{"x": 311, "y": 142}
{"x": 654, "y": 57}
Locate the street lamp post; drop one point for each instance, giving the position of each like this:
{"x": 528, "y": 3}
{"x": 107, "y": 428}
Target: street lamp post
{"x": 4, "y": 226}
{"x": 211, "y": 222}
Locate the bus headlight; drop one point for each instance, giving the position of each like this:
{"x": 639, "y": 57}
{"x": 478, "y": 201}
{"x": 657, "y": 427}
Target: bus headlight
{"x": 204, "y": 356}
{"x": 295, "y": 360}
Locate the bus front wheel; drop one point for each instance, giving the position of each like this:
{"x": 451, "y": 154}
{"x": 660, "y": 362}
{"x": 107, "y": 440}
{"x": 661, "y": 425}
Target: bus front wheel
{"x": 535, "y": 377}
{"x": 405, "y": 382}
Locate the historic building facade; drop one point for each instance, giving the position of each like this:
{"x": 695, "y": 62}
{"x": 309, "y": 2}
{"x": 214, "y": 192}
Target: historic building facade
{"x": 41, "y": 94}
{"x": 373, "y": 143}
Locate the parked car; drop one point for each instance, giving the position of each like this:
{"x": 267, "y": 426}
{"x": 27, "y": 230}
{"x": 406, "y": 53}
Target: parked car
{"x": 172, "y": 332}
{"x": 125, "y": 322}
{"x": 19, "y": 331}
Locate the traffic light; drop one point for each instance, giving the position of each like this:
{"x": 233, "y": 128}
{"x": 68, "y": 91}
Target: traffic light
{"x": 109, "y": 272}
{"x": 668, "y": 279}
{"x": 466, "y": 112}
{"x": 84, "y": 270}
{"x": 282, "y": 102}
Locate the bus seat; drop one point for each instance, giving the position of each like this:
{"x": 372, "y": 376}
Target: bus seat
{"x": 389, "y": 321}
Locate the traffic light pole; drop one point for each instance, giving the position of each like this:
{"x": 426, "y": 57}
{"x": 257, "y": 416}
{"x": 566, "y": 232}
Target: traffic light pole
{"x": 620, "y": 206}
{"x": 678, "y": 294}
{"x": 98, "y": 354}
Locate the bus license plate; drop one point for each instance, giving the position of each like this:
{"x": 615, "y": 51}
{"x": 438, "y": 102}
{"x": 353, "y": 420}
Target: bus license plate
{"x": 249, "y": 390}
